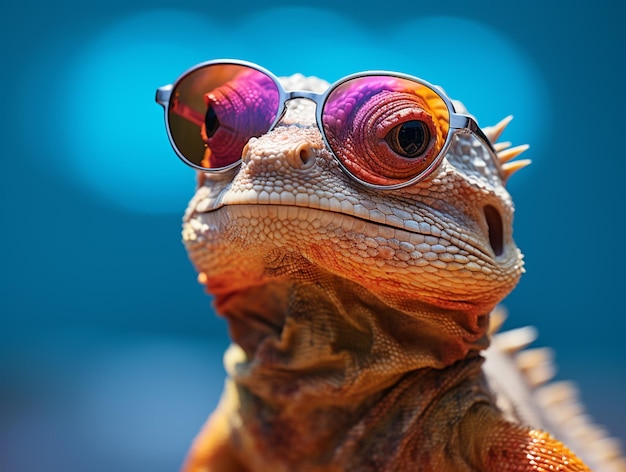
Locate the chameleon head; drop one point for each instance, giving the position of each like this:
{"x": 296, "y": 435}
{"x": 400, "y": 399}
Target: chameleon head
{"x": 288, "y": 235}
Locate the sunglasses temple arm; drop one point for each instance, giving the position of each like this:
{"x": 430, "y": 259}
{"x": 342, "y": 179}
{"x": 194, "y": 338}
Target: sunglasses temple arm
{"x": 466, "y": 122}
{"x": 163, "y": 95}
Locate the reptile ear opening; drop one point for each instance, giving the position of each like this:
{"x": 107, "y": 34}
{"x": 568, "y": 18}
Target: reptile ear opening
{"x": 495, "y": 228}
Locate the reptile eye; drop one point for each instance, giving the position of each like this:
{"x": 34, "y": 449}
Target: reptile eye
{"x": 211, "y": 122}
{"x": 385, "y": 130}
{"x": 409, "y": 139}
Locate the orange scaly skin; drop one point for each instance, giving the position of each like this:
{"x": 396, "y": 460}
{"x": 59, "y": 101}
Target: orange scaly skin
{"x": 501, "y": 445}
{"x": 478, "y": 440}
{"x": 358, "y": 316}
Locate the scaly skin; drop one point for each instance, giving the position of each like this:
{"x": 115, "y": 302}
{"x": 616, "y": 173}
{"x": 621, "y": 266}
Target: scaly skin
{"x": 357, "y": 316}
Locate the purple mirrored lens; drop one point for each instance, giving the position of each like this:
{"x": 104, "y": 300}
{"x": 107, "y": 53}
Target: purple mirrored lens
{"x": 216, "y": 109}
{"x": 385, "y": 130}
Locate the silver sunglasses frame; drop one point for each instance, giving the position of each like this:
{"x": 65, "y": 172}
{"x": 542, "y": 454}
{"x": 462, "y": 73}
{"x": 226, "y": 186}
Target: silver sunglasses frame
{"x": 459, "y": 123}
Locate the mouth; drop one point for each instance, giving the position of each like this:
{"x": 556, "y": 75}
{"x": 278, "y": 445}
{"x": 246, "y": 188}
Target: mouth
{"x": 371, "y": 222}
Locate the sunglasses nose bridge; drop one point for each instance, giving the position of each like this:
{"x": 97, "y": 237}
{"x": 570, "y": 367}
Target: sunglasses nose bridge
{"x": 306, "y": 94}
{"x": 306, "y": 115}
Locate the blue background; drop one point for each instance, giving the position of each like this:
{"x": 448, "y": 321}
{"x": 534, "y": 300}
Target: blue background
{"x": 110, "y": 354}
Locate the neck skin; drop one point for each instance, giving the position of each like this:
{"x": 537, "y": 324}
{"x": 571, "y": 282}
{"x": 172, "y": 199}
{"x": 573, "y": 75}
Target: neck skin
{"x": 314, "y": 333}
{"x": 320, "y": 365}
{"x": 415, "y": 423}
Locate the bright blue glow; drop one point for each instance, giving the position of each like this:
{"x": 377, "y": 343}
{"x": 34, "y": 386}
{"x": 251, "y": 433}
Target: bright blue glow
{"x": 104, "y": 130}
{"x": 108, "y": 135}
{"x": 114, "y": 130}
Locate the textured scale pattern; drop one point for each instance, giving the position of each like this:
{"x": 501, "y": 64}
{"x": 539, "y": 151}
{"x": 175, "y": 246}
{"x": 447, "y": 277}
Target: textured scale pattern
{"x": 359, "y": 317}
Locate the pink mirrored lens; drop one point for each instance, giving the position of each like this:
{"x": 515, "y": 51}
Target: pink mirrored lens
{"x": 216, "y": 109}
{"x": 362, "y": 114}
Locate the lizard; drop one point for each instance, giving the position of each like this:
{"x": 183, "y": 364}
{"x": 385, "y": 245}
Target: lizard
{"x": 362, "y": 316}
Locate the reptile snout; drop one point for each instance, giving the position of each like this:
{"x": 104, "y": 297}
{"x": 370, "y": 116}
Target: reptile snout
{"x": 283, "y": 149}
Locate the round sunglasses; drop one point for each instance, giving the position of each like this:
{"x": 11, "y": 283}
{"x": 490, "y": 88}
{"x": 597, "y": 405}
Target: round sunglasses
{"x": 386, "y": 130}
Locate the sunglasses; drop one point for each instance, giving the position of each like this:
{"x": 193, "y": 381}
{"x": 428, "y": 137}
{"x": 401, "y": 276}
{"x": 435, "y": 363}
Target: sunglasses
{"x": 386, "y": 130}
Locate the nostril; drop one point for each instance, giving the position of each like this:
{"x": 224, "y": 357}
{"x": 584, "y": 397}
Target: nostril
{"x": 495, "y": 228}
{"x": 303, "y": 156}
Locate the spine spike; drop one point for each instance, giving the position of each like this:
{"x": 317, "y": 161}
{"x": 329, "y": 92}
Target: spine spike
{"x": 494, "y": 132}
{"x": 501, "y": 146}
{"x": 511, "y": 167}
{"x": 506, "y": 155}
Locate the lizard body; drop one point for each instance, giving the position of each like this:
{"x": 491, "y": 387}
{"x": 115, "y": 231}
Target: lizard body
{"x": 358, "y": 316}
